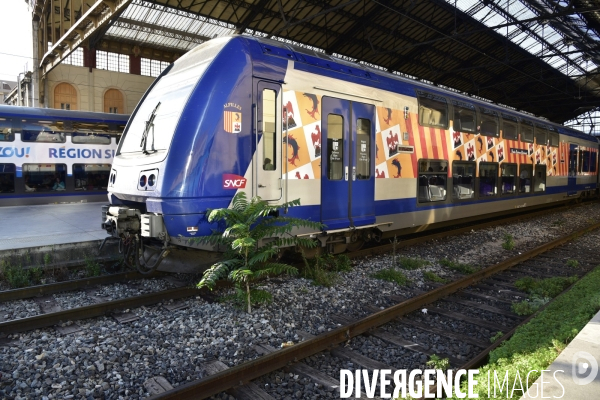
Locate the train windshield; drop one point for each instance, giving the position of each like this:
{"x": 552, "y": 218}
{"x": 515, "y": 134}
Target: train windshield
{"x": 172, "y": 90}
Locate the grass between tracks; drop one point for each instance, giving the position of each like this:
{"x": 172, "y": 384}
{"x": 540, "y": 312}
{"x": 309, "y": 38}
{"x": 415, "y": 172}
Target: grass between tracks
{"x": 534, "y": 346}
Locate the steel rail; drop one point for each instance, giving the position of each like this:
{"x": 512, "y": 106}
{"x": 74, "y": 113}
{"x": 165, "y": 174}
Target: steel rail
{"x": 94, "y": 310}
{"x": 42, "y": 290}
{"x": 453, "y": 232}
{"x": 250, "y": 370}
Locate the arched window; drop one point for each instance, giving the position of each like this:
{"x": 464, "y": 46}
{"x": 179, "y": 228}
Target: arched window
{"x": 65, "y": 97}
{"x": 113, "y": 102}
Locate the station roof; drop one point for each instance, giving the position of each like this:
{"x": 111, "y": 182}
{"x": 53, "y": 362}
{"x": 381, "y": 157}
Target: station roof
{"x": 538, "y": 56}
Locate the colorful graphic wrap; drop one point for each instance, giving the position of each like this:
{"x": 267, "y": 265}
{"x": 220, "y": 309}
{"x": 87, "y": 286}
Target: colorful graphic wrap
{"x": 400, "y": 142}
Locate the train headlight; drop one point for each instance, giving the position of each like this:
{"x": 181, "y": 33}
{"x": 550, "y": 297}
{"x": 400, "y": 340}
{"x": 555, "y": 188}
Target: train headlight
{"x": 151, "y": 180}
{"x": 148, "y": 179}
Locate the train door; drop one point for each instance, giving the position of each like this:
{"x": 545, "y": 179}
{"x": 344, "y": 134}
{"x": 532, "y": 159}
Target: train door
{"x": 347, "y": 178}
{"x": 572, "y": 180}
{"x": 267, "y": 182}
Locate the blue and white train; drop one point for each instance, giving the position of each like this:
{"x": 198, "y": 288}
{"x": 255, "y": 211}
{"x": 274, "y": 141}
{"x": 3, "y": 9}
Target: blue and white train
{"x": 55, "y": 156}
{"x": 368, "y": 153}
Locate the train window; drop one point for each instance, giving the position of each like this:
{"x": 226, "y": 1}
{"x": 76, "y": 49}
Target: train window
{"x": 525, "y": 174}
{"x": 91, "y": 176}
{"x": 509, "y": 131}
{"x": 510, "y": 126}
{"x": 7, "y": 178}
{"x": 488, "y": 179}
{"x": 553, "y": 139}
{"x": 89, "y": 138}
{"x": 526, "y": 131}
{"x": 363, "y": 148}
{"x": 573, "y": 162}
{"x": 539, "y": 180}
{"x": 6, "y": 132}
{"x": 508, "y": 179}
{"x": 541, "y": 136}
{"x": 593, "y": 161}
{"x": 335, "y": 147}
{"x": 488, "y": 122}
{"x": 269, "y": 143}
{"x": 44, "y": 177}
{"x": 41, "y": 133}
{"x": 584, "y": 160}
{"x": 464, "y": 117}
{"x": 463, "y": 178}
{"x": 432, "y": 180}
{"x": 433, "y": 110}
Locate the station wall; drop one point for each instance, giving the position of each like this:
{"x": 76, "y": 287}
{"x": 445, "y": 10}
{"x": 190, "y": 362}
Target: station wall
{"x": 91, "y": 86}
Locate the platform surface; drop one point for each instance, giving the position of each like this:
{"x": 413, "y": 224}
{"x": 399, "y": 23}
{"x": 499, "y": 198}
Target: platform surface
{"x": 50, "y": 224}
{"x": 575, "y": 373}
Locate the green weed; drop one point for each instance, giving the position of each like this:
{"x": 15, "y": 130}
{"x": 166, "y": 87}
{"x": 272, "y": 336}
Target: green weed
{"x": 323, "y": 270}
{"x": 497, "y": 336}
{"x": 391, "y": 275}
{"x": 572, "y": 263}
{"x": 16, "y": 276}
{"x": 412, "y": 263}
{"x": 456, "y": 266}
{"x": 92, "y": 266}
{"x": 509, "y": 242}
{"x": 549, "y": 287}
{"x": 528, "y": 307}
{"x": 432, "y": 277}
{"x": 438, "y": 363}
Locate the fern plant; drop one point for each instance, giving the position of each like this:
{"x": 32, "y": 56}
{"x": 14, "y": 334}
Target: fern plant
{"x": 247, "y": 257}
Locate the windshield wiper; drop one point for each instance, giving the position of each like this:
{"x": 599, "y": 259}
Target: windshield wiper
{"x": 149, "y": 124}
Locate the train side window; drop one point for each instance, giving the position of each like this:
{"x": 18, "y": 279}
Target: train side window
{"x": 32, "y": 133}
{"x": 7, "y": 178}
{"x": 553, "y": 139}
{"x": 541, "y": 136}
{"x": 6, "y": 131}
{"x": 508, "y": 179}
{"x": 593, "y": 161}
{"x": 488, "y": 122}
{"x": 91, "y": 176}
{"x": 335, "y": 147}
{"x": 432, "y": 180}
{"x": 433, "y": 110}
{"x": 584, "y": 160}
{"x": 89, "y": 138}
{"x": 268, "y": 139}
{"x": 510, "y": 127}
{"x": 526, "y": 131}
{"x": 363, "y": 148}
{"x": 509, "y": 131}
{"x": 539, "y": 180}
{"x": 525, "y": 175}
{"x": 573, "y": 162}
{"x": 463, "y": 179}
{"x": 488, "y": 179}
{"x": 464, "y": 117}
{"x": 44, "y": 177}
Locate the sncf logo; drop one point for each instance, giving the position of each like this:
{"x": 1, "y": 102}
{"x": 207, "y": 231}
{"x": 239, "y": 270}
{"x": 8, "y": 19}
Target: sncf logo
{"x": 232, "y": 181}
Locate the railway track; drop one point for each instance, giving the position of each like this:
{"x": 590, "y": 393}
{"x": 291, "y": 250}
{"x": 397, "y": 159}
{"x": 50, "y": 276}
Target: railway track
{"x": 467, "y": 311}
{"x": 53, "y": 315}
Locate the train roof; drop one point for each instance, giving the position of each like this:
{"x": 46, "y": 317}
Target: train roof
{"x": 366, "y": 75}
{"x": 65, "y": 115}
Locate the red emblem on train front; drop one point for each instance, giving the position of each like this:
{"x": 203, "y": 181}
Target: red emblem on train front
{"x": 232, "y": 181}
